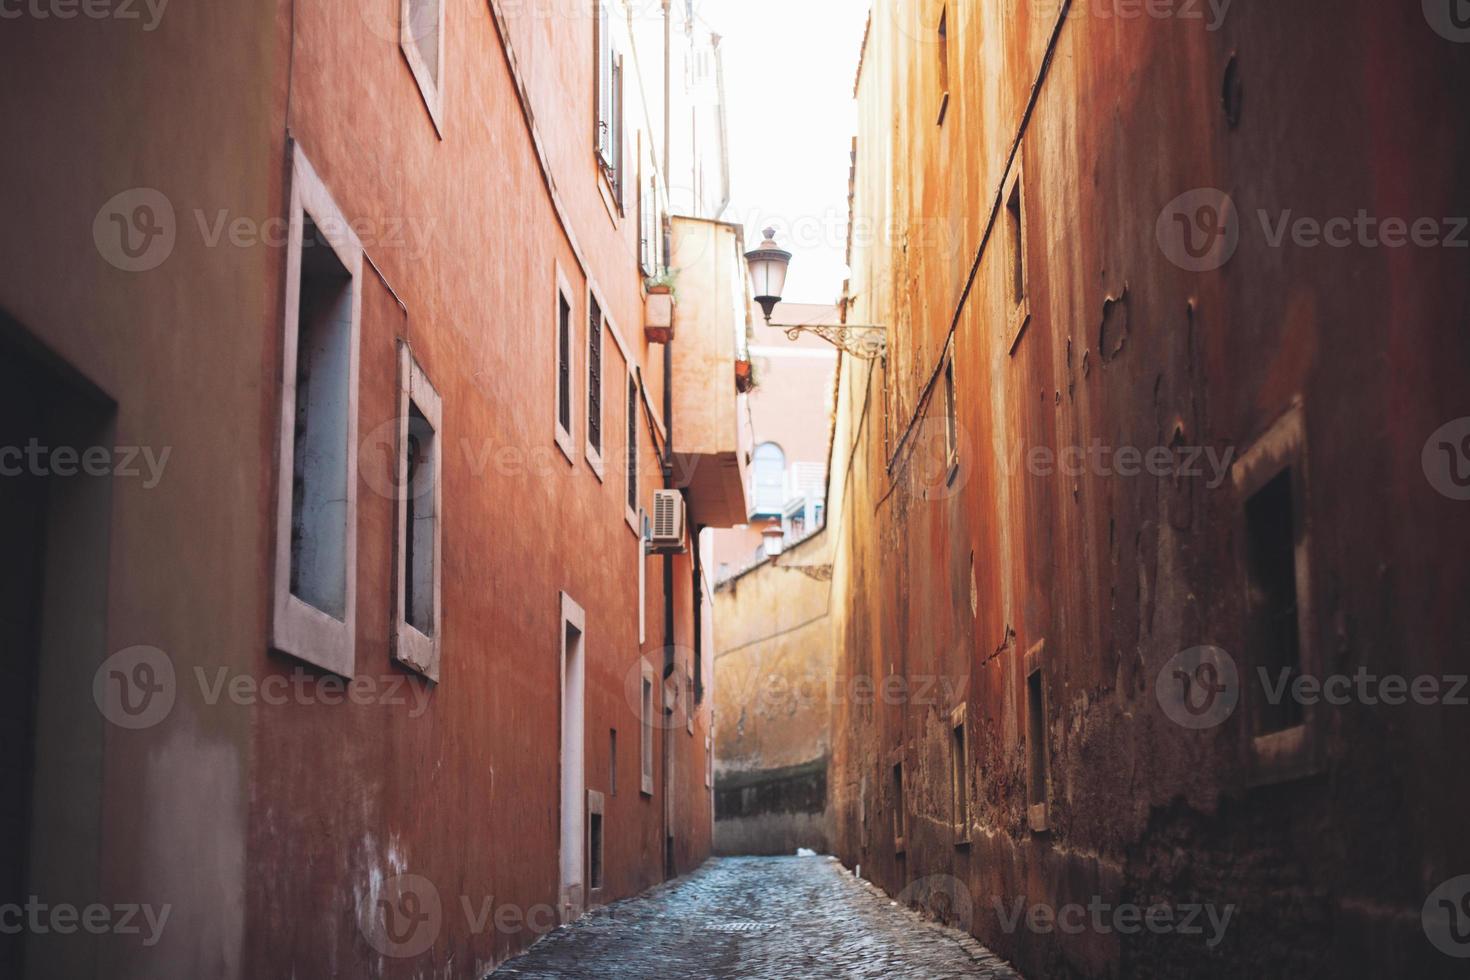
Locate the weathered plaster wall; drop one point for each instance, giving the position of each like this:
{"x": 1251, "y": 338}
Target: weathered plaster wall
{"x": 265, "y": 826}
{"x": 773, "y": 656}
{"x": 949, "y": 582}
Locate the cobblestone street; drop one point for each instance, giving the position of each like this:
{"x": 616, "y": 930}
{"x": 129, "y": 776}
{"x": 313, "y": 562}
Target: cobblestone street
{"x": 769, "y": 918}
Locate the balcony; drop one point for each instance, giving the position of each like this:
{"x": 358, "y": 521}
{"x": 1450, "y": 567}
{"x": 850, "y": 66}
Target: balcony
{"x": 711, "y": 448}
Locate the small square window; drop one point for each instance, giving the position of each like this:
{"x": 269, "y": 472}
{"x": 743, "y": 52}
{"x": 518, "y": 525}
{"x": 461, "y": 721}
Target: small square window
{"x": 595, "y": 808}
{"x": 900, "y": 815}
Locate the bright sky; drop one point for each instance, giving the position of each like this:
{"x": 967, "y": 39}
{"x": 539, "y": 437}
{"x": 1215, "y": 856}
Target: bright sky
{"x": 789, "y": 71}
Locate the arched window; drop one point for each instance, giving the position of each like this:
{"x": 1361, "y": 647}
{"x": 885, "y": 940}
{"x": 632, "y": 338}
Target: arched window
{"x": 770, "y": 479}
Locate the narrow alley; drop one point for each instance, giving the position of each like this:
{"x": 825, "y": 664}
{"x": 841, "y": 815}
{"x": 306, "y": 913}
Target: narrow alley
{"x": 781, "y": 918}
{"x": 723, "y": 489}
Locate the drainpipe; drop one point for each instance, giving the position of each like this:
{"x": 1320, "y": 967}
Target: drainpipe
{"x": 668, "y": 466}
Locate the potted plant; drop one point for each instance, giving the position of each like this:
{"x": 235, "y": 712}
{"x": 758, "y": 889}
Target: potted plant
{"x": 659, "y": 304}
{"x": 744, "y": 374}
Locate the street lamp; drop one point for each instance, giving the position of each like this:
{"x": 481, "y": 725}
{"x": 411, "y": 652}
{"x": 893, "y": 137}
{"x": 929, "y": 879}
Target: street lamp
{"x": 768, "y": 265}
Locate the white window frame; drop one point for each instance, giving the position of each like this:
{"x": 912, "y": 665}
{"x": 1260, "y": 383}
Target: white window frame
{"x": 430, "y": 87}
{"x": 642, "y": 576}
{"x": 647, "y": 705}
{"x": 298, "y": 628}
{"x": 412, "y": 647}
{"x": 563, "y": 436}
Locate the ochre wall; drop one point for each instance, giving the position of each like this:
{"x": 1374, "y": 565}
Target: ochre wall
{"x": 948, "y": 583}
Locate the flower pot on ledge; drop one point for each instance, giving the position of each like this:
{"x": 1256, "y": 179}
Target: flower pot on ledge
{"x": 658, "y": 315}
{"x": 744, "y": 379}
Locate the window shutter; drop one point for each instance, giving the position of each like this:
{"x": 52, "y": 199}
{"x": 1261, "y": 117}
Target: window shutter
{"x": 604, "y": 82}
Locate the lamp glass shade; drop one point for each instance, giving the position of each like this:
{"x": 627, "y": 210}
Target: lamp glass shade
{"x": 768, "y": 266}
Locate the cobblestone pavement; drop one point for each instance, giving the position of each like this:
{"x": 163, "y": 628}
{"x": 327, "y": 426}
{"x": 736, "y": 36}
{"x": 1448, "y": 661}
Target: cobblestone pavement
{"x": 768, "y": 918}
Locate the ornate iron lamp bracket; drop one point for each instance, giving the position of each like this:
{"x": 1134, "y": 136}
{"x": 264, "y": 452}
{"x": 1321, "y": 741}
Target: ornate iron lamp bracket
{"x": 866, "y": 342}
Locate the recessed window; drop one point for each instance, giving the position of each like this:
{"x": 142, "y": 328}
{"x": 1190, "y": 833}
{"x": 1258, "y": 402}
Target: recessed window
{"x": 650, "y": 228}
{"x": 1271, "y": 481}
{"x": 594, "y": 849}
{"x": 421, "y": 36}
{"x": 1271, "y": 578}
{"x": 632, "y": 451}
{"x": 1016, "y": 240}
{"x": 594, "y": 379}
{"x": 1017, "y": 285}
{"x": 960, "y": 775}
{"x": 900, "y": 817}
{"x": 314, "y": 607}
{"x": 612, "y": 761}
{"x": 951, "y": 420}
{"x": 420, "y": 502}
{"x": 1036, "y": 746}
{"x": 564, "y": 321}
{"x": 646, "y": 731}
{"x": 609, "y": 135}
{"x": 943, "y": 58}
{"x": 769, "y": 465}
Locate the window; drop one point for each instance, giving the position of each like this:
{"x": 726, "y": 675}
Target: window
{"x": 419, "y": 503}
{"x": 1017, "y": 285}
{"x": 709, "y": 758}
{"x": 646, "y": 731}
{"x": 612, "y": 761}
{"x": 421, "y": 37}
{"x": 564, "y": 371}
{"x": 943, "y": 53}
{"x": 650, "y": 228}
{"x": 632, "y": 452}
{"x": 900, "y": 816}
{"x": 1271, "y": 481}
{"x": 609, "y": 134}
{"x": 314, "y": 608}
{"x": 595, "y": 808}
{"x": 1271, "y": 595}
{"x": 960, "y": 775}
{"x": 594, "y": 382}
{"x": 688, "y": 700}
{"x": 770, "y": 480}
{"x": 951, "y": 420}
{"x": 1036, "y": 748}
{"x": 644, "y": 538}
{"x": 572, "y": 754}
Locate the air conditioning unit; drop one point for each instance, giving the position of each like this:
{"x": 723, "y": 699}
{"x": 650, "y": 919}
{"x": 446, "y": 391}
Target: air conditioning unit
{"x": 668, "y": 522}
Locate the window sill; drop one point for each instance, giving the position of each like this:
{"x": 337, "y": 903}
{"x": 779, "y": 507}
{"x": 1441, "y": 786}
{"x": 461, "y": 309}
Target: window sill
{"x": 564, "y": 443}
{"x": 1019, "y": 320}
{"x": 609, "y": 197}
{"x": 943, "y": 108}
{"x": 1283, "y": 757}
{"x": 1038, "y": 818}
{"x": 594, "y": 460}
